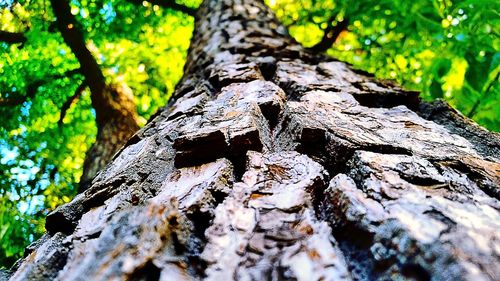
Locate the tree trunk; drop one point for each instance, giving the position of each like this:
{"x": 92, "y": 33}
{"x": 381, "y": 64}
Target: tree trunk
{"x": 271, "y": 163}
{"x": 117, "y": 120}
{"x": 116, "y": 113}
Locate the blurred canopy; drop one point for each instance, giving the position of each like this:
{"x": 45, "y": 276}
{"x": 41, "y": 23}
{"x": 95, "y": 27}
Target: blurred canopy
{"x": 446, "y": 49}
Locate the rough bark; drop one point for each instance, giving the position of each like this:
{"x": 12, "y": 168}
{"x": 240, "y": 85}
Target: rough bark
{"x": 116, "y": 113}
{"x": 271, "y": 163}
{"x": 117, "y": 121}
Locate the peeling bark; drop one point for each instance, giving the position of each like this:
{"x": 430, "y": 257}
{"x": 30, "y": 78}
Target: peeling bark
{"x": 273, "y": 163}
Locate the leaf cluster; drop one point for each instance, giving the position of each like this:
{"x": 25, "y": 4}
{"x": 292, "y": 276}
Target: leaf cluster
{"x": 445, "y": 49}
{"x": 46, "y": 126}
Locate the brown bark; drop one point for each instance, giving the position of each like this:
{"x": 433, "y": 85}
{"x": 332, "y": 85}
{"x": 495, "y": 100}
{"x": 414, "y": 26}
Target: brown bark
{"x": 116, "y": 113}
{"x": 117, "y": 121}
{"x": 272, "y": 163}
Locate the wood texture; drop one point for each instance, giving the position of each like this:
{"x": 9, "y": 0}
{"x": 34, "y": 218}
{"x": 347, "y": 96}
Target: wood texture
{"x": 272, "y": 163}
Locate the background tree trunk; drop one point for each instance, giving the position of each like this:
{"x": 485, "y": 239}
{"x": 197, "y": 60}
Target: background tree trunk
{"x": 116, "y": 113}
{"x": 272, "y": 163}
{"x": 117, "y": 120}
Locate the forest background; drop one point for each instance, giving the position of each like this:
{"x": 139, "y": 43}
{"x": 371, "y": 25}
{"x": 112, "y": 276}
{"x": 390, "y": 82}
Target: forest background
{"x": 445, "y": 49}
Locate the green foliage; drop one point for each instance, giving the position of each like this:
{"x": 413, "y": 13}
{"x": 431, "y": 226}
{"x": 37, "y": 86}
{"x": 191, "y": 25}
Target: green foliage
{"x": 445, "y": 49}
{"x": 16, "y": 226}
{"x": 144, "y": 46}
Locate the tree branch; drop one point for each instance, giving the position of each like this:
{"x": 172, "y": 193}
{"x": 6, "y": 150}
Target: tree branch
{"x": 30, "y": 93}
{"x": 169, "y": 4}
{"x": 330, "y": 35}
{"x": 67, "y": 104}
{"x": 73, "y": 37}
{"x": 12, "y": 37}
{"x": 32, "y": 88}
{"x": 474, "y": 108}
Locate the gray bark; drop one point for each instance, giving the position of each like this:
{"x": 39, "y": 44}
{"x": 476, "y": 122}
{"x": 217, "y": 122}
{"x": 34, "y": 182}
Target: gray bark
{"x": 273, "y": 163}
